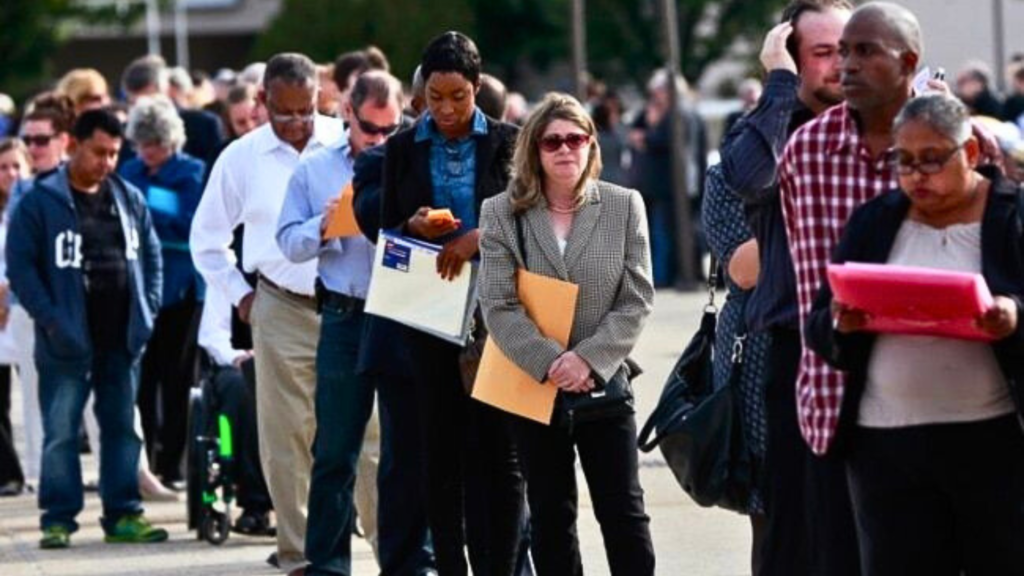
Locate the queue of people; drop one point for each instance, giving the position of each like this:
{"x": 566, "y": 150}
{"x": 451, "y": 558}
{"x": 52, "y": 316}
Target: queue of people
{"x": 146, "y": 240}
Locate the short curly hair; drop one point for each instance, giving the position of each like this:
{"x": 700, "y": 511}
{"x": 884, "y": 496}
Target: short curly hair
{"x": 155, "y": 119}
{"x": 451, "y": 52}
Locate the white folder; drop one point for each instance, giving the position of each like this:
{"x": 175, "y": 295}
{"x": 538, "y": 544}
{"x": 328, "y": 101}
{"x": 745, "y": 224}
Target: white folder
{"x": 405, "y": 287}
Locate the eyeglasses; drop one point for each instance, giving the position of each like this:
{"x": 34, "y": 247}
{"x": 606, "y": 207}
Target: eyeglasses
{"x": 292, "y": 118}
{"x": 553, "y": 142}
{"x": 371, "y": 129}
{"x": 37, "y": 139}
{"x": 906, "y": 165}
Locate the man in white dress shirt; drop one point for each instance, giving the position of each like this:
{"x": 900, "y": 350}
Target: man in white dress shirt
{"x": 247, "y": 187}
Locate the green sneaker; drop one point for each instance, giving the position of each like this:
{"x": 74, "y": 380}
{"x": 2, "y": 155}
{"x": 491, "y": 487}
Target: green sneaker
{"x": 135, "y": 529}
{"x": 55, "y": 537}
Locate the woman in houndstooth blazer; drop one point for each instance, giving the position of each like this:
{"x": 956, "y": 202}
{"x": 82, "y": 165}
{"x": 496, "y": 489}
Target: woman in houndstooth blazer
{"x": 593, "y": 234}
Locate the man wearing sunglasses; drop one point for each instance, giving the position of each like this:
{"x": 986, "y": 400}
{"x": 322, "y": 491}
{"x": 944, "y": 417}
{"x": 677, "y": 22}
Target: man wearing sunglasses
{"x": 344, "y": 399}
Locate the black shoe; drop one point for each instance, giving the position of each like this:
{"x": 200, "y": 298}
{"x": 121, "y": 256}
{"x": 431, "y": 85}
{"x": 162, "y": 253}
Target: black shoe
{"x": 254, "y": 524}
{"x": 12, "y": 488}
{"x": 272, "y": 560}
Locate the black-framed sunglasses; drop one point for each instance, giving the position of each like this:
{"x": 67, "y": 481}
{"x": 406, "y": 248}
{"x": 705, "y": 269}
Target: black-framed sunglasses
{"x": 38, "y": 139}
{"x": 371, "y": 129}
{"x": 906, "y": 164}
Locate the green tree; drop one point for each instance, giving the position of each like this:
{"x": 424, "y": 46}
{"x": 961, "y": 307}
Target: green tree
{"x": 34, "y": 29}
{"x": 623, "y": 36}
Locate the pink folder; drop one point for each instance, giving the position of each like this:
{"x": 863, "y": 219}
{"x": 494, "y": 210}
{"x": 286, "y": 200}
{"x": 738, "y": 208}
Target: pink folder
{"x": 911, "y": 300}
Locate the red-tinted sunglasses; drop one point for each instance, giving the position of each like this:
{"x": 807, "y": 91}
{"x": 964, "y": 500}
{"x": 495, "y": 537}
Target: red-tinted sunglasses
{"x": 553, "y": 142}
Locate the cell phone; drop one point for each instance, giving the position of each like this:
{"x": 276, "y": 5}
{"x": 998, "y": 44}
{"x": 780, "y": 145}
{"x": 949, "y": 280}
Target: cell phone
{"x": 940, "y": 74}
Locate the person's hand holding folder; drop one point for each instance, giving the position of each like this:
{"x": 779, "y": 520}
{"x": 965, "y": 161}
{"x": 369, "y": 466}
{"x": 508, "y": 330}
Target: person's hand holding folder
{"x": 1000, "y": 320}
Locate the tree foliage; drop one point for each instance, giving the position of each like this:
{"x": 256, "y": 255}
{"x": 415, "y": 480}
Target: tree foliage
{"x": 34, "y": 29}
{"x": 623, "y": 36}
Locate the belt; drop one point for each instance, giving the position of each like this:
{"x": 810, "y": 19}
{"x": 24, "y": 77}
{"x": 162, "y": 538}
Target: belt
{"x": 304, "y": 297}
{"x": 339, "y": 301}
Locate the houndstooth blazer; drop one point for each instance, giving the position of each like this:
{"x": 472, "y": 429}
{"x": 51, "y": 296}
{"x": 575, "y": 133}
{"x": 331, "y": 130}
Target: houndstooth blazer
{"x": 607, "y": 255}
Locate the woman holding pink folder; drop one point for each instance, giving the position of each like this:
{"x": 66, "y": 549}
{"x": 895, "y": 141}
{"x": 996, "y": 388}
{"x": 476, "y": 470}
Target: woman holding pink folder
{"x": 932, "y": 425}
{"x": 557, "y": 220}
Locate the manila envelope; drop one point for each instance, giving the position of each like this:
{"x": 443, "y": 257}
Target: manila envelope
{"x": 343, "y": 219}
{"x": 551, "y": 304}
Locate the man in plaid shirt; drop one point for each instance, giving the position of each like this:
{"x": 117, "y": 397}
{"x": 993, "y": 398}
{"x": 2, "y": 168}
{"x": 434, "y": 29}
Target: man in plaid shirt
{"x": 830, "y": 166}
{"x": 834, "y": 164}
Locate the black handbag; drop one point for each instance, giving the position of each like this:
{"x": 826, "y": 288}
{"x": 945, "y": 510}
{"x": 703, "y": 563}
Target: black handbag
{"x": 698, "y": 428}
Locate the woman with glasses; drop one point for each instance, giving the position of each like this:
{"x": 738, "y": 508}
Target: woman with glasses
{"x": 932, "y": 425}
{"x": 172, "y": 184}
{"x": 593, "y": 234}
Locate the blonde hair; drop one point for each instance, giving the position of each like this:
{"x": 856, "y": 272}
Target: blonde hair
{"x": 81, "y": 83}
{"x": 527, "y": 186}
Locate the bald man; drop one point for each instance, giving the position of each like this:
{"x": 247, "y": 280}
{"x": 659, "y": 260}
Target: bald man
{"x": 830, "y": 166}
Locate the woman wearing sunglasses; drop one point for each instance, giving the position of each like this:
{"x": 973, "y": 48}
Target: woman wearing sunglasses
{"x": 593, "y": 234}
{"x": 935, "y": 448}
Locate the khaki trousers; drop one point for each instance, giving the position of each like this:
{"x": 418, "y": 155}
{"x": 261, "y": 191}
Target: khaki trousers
{"x": 285, "y": 332}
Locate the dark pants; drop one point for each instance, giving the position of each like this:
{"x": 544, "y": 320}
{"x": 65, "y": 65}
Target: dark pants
{"x": 236, "y": 398}
{"x": 344, "y": 403}
{"x": 169, "y": 371}
{"x": 609, "y": 458}
{"x": 113, "y": 378}
{"x": 10, "y": 467}
{"x": 940, "y": 500}
{"x": 482, "y": 508}
{"x": 402, "y": 535}
{"x": 809, "y": 520}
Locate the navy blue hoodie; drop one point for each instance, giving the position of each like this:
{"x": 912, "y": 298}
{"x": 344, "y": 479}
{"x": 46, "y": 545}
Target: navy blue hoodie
{"x": 44, "y": 267}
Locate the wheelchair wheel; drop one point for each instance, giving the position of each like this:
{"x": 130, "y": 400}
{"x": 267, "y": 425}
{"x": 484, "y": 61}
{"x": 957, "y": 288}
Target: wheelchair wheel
{"x": 196, "y": 459}
{"x": 215, "y": 527}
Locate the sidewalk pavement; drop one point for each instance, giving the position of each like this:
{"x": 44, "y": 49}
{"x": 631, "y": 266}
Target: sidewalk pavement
{"x": 688, "y": 540}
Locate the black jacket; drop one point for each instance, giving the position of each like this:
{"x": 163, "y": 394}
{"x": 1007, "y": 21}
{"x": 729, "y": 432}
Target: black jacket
{"x": 391, "y": 183}
{"x": 869, "y": 236}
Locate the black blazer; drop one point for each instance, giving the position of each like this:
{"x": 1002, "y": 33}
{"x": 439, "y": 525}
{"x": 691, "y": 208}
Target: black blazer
{"x": 869, "y": 236}
{"x": 404, "y": 164}
{"x": 407, "y": 184}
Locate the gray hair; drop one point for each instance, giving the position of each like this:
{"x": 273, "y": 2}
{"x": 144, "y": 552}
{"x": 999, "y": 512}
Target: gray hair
{"x": 291, "y": 68}
{"x": 375, "y": 86}
{"x": 180, "y": 79}
{"x": 155, "y": 119}
{"x": 145, "y": 72}
{"x": 944, "y": 114}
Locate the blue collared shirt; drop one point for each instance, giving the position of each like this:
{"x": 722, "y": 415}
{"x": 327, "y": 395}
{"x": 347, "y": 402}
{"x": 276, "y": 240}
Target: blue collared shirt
{"x": 453, "y": 167}
{"x": 344, "y": 264}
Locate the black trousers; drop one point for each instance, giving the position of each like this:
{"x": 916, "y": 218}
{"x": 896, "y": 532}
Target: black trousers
{"x": 608, "y": 455}
{"x": 940, "y": 500}
{"x": 10, "y": 467}
{"x": 810, "y": 528}
{"x": 475, "y": 495}
{"x": 236, "y": 397}
{"x": 169, "y": 370}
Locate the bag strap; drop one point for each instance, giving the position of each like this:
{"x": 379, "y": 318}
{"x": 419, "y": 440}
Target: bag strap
{"x": 713, "y": 272}
{"x": 520, "y": 237}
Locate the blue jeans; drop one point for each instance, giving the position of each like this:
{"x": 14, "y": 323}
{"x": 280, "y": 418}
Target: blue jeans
{"x": 63, "y": 390}
{"x": 344, "y": 402}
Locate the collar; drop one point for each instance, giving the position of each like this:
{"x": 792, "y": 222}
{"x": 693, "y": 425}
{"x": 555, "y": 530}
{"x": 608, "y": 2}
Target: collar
{"x": 426, "y": 129}
{"x": 845, "y": 138}
{"x": 267, "y": 141}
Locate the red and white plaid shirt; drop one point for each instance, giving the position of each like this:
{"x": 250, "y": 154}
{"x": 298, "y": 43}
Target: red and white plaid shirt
{"x": 826, "y": 172}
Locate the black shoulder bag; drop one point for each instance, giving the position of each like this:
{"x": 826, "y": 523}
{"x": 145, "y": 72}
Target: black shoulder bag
{"x": 699, "y": 428}
{"x": 607, "y": 399}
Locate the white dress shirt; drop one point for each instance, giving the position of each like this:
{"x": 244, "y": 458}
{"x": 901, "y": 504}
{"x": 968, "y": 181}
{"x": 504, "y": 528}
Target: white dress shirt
{"x": 215, "y": 329}
{"x": 247, "y": 186}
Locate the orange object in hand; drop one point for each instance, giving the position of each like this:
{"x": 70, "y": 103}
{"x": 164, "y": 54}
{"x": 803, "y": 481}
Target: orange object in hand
{"x": 440, "y": 216}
